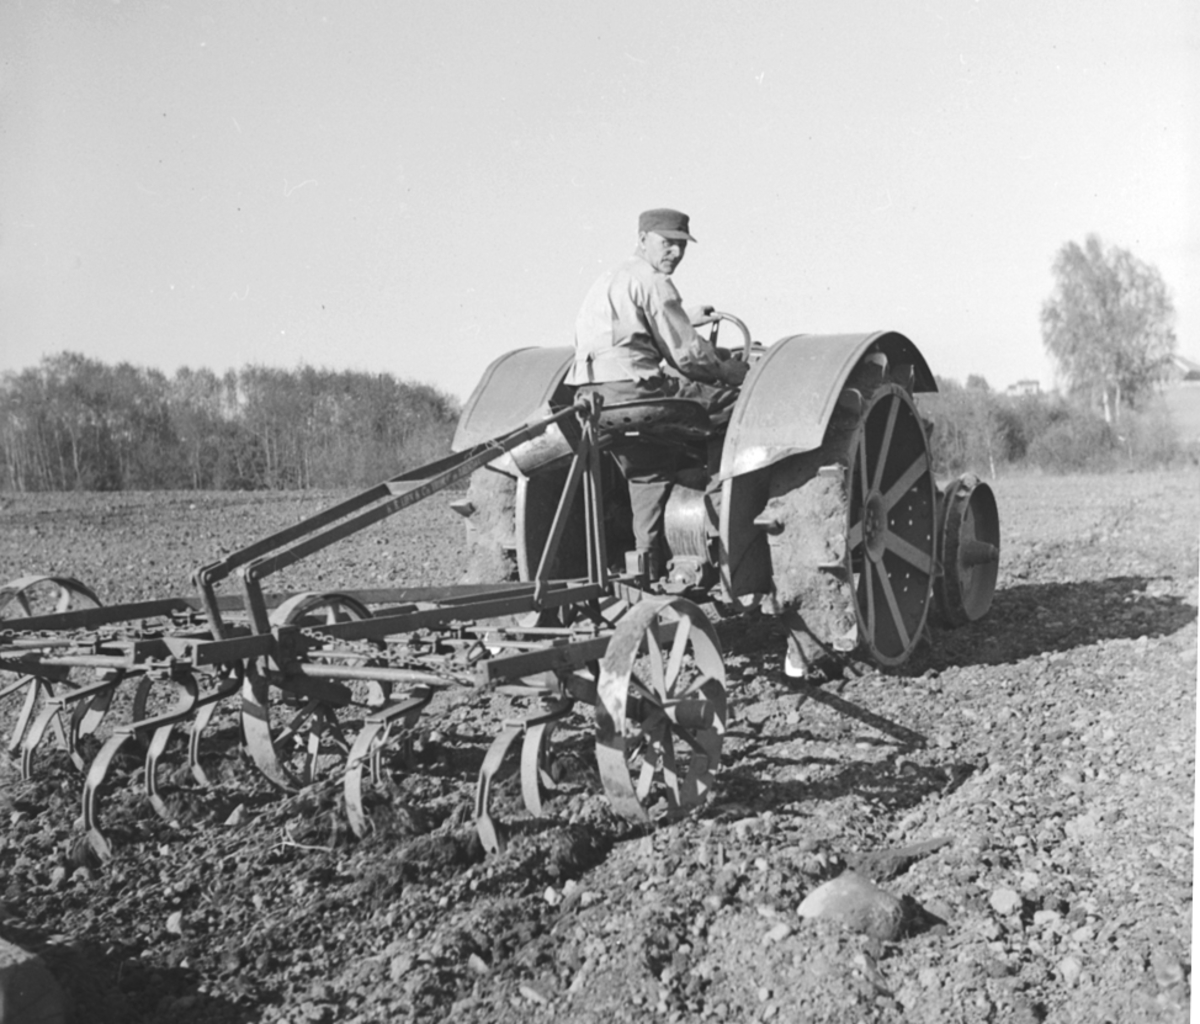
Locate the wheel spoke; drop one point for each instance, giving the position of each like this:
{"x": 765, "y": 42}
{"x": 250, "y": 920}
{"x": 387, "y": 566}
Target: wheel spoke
{"x": 894, "y": 609}
{"x": 655, "y": 657}
{"x": 669, "y": 768}
{"x": 868, "y": 573}
{"x": 886, "y": 445}
{"x": 855, "y": 536}
{"x": 864, "y": 480}
{"x": 912, "y": 554}
{"x": 678, "y": 649}
{"x": 919, "y": 467}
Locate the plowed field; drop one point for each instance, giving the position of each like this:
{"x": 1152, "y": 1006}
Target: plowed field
{"x": 1025, "y": 786}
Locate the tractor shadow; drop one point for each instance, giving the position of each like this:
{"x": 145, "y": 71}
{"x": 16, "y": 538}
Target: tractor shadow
{"x": 1044, "y": 618}
{"x": 111, "y": 984}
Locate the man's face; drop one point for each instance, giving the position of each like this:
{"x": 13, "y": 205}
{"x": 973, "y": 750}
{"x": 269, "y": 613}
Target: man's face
{"x": 663, "y": 254}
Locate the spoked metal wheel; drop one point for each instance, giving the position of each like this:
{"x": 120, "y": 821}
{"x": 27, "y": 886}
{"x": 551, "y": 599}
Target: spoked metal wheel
{"x": 660, "y": 712}
{"x": 38, "y": 596}
{"x": 969, "y": 538}
{"x": 44, "y": 595}
{"x": 890, "y": 526}
{"x": 299, "y": 730}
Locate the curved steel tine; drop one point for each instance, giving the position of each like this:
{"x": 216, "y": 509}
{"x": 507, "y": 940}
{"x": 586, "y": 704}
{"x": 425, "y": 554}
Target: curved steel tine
{"x": 537, "y": 739}
{"x": 256, "y": 728}
{"x": 368, "y": 745}
{"x": 159, "y": 728}
{"x": 31, "y": 694}
{"x": 538, "y": 732}
{"x": 91, "y": 792}
{"x": 490, "y": 834}
{"x": 158, "y": 743}
{"x": 34, "y": 734}
{"x": 85, "y": 719}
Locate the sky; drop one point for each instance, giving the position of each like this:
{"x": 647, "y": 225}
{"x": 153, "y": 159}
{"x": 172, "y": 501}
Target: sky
{"x": 418, "y": 187}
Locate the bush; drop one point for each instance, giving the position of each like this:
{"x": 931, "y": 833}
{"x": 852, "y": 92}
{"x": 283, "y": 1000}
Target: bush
{"x": 1149, "y": 439}
{"x": 1078, "y": 443}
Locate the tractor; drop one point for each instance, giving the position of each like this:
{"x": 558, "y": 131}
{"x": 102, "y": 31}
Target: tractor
{"x": 817, "y": 503}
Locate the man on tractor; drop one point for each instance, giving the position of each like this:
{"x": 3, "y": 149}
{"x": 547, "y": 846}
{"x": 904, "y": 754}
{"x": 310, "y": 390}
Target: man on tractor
{"x": 635, "y": 342}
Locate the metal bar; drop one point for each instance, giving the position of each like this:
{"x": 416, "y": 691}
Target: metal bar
{"x": 559, "y": 523}
{"x": 597, "y": 544}
{"x": 456, "y": 467}
{"x": 483, "y": 608}
{"x": 75, "y": 661}
{"x": 548, "y": 659}
{"x": 90, "y": 618}
{"x": 443, "y": 471}
{"x": 380, "y": 673}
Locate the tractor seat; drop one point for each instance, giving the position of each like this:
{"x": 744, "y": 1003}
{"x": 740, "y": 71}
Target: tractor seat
{"x": 674, "y": 419}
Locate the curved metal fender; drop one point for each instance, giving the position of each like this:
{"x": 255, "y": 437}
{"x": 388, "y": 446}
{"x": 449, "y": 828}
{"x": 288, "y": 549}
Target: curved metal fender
{"x": 513, "y": 391}
{"x": 790, "y": 393}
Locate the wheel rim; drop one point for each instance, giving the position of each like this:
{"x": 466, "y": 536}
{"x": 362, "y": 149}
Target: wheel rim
{"x": 44, "y": 595}
{"x": 890, "y": 526}
{"x": 32, "y": 596}
{"x": 970, "y": 536}
{"x": 661, "y": 709}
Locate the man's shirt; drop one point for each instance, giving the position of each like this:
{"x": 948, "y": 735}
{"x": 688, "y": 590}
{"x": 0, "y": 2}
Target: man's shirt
{"x": 631, "y": 321}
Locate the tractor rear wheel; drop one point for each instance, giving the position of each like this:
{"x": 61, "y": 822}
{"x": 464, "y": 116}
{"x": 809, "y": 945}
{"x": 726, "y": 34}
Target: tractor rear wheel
{"x": 852, "y": 531}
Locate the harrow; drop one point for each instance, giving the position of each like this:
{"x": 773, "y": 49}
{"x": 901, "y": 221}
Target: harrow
{"x": 816, "y": 504}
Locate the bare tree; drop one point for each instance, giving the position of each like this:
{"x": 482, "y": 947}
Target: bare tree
{"x": 1108, "y": 324}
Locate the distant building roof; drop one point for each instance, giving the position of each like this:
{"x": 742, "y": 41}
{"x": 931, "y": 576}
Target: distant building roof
{"x": 1185, "y": 369}
{"x": 1024, "y": 387}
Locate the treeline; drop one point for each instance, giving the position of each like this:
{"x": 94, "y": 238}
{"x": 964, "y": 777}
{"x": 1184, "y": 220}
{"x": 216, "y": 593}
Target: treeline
{"x": 977, "y": 429}
{"x": 73, "y": 423}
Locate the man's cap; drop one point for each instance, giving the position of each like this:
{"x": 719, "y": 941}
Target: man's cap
{"x": 668, "y": 223}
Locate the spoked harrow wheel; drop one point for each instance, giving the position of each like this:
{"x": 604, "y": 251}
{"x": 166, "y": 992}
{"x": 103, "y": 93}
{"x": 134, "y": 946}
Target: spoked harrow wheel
{"x": 44, "y": 595}
{"x": 38, "y": 596}
{"x": 295, "y": 727}
{"x": 661, "y": 710}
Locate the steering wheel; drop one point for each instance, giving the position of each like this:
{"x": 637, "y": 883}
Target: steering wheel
{"x": 715, "y": 318}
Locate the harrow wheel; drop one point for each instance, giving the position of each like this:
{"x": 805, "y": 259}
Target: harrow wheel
{"x": 660, "y": 711}
{"x": 969, "y": 547}
{"x": 35, "y": 596}
{"x": 44, "y": 595}
{"x": 290, "y": 738}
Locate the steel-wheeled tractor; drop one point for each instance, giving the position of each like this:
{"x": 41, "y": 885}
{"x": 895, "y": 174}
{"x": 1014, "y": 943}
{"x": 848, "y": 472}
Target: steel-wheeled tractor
{"x": 815, "y": 503}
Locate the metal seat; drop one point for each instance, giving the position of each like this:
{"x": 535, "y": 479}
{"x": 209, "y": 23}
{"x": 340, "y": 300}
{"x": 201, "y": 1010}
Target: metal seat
{"x": 665, "y": 418}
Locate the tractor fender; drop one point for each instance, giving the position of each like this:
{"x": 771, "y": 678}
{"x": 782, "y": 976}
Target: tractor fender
{"x": 518, "y": 388}
{"x": 790, "y": 393}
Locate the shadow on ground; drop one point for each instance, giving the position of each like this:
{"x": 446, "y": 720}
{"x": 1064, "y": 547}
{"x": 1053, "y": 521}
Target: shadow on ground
{"x": 1039, "y": 618}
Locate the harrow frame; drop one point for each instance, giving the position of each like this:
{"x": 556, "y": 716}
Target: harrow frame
{"x": 214, "y": 647}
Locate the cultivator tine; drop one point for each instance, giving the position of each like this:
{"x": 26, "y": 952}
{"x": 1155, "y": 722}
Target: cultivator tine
{"x": 85, "y": 720}
{"x": 256, "y": 727}
{"x": 490, "y": 834}
{"x": 33, "y": 687}
{"x": 154, "y": 750}
{"x": 535, "y": 776}
{"x": 532, "y": 758}
{"x": 206, "y": 707}
{"x": 368, "y": 748}
{"x": 159, "y": 729}
{"x": 50, "y": 715}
